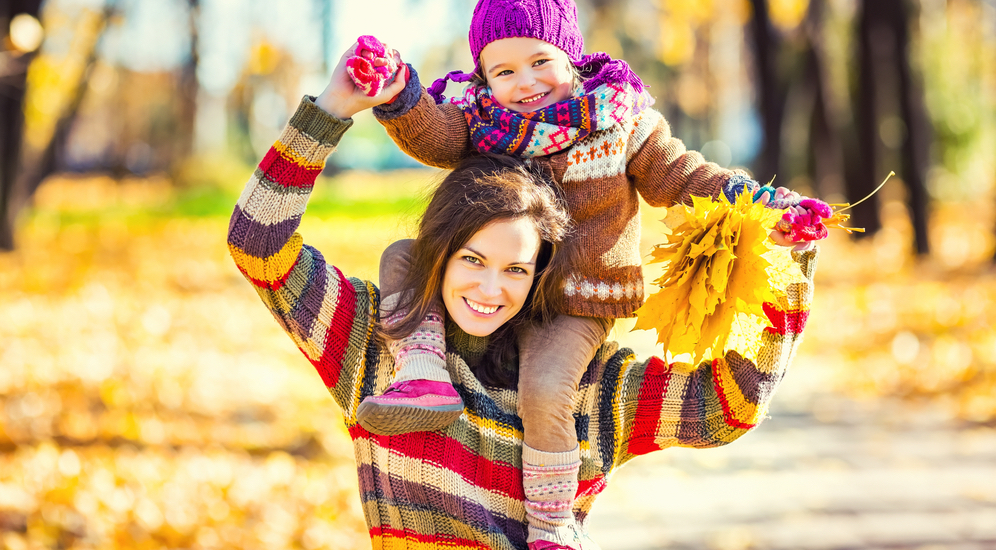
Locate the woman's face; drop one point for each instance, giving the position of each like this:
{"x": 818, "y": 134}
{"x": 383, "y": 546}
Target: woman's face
{"x": 487, "y": 280}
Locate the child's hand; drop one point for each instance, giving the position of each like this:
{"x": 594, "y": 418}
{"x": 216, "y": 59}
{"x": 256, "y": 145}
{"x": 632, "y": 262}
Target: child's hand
{"x": 373, "y": 66}
{"x": 343, "y": 99}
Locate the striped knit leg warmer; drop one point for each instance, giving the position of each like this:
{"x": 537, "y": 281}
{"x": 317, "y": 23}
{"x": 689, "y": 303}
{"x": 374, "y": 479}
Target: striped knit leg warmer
{"x": 422, "y": 354}
{"x": 550, "y": 482}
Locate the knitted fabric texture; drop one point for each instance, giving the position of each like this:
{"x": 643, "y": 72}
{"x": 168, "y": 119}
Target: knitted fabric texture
{"x": 602, "y": 177}
{"x": 422, "y": 354}
{"x": 549, "y": 482}
{"x": 360, "y": 67}
{"x": 552, "y": 21}
{"x": 460, "y": 487}
{"x": 494, "y": 129}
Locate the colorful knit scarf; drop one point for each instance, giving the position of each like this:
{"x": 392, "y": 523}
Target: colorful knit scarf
{"x": 494, "y": 129}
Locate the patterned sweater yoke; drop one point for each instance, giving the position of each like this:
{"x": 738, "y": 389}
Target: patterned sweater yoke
{"x": 461, "y": 487}
{"x": 602, "y": 177}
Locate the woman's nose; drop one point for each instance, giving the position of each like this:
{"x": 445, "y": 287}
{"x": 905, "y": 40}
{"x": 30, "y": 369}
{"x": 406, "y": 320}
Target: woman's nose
{"x": 490, "y": 284}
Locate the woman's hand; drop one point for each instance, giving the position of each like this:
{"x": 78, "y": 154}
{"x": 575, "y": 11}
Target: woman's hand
{"x": 343, "y": 99}
{"x": 782, "y": 239}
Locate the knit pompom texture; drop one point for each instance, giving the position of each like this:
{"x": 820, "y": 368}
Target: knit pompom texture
{"x": 361, "y": 68}
{"x": 553, "y": 21}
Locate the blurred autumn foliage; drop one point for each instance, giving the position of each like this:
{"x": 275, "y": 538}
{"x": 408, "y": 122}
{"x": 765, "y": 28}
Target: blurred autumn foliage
{"x": 146, "y": 397}
{"x": 148, "y": 400}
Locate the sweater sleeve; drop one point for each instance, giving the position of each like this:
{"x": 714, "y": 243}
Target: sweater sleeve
{"x": 663, "y": 171}
{"x": 436, "y": 135}
{"x": 657, "y": 405}
{"x": 326, "y": 314}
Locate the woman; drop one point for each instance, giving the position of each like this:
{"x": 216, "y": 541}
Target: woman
{"x": 461, "y": 487}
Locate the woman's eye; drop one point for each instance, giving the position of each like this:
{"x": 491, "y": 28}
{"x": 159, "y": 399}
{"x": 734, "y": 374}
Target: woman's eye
{"x": 518, "y": 270}
{"x": 471, "y": 259}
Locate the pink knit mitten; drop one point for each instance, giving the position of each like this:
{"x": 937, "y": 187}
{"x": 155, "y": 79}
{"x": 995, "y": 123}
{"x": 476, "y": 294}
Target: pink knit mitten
{"x": 804, "y": 221}
{"x": 361, "y": 68}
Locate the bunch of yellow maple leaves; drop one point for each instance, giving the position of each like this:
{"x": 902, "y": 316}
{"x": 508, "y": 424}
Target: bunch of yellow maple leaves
{"x": 720, "y": 268}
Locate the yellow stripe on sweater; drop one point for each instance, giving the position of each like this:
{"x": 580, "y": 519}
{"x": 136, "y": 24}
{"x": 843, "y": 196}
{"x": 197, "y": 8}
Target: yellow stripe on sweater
{"x": 301, "y": 144}
{"x": 305, "y": 157}
{"x": 502, "y": 431}
{"x": 391, "y": 542}
{"x": 273, "y": 268}
{"x": 740, "y": 409}
{"x": 619, "y": 404}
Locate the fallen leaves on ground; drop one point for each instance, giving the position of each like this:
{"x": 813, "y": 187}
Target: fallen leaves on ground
{"x": 148, "y": 399}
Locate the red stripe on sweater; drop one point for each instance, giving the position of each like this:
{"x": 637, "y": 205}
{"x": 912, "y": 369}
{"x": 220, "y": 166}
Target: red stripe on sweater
{"x": 329, "y": 365}
{"x": 286, "y": 172}
{"x": 785, "y": 322}
{"x": 591, "y": 487}
{"x": 720, "y": 391}
{"x": 445, "y": 452}
{"x": 656, "y": 379}
{"x": 442, "y": 539}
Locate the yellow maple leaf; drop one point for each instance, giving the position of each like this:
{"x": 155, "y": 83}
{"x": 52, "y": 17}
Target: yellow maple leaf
{"x": 720, "y": 270}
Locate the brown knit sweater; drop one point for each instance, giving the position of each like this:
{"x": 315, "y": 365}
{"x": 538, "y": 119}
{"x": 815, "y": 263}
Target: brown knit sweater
{"x": 601, "y": 177}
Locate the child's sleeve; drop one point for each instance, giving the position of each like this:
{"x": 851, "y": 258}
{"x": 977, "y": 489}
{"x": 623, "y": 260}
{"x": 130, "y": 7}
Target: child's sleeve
{"x": 436, "y": 135}
{"x": 663, "y": 171}
{"x": 660, "y": 405}
{"x": 326, "y": 314}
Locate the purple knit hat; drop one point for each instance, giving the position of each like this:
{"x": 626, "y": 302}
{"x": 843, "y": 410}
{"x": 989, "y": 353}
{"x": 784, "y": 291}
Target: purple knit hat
{"x": 552, "y": 21}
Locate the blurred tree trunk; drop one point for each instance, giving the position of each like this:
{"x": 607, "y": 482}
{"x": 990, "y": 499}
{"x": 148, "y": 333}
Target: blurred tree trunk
{"x": 825, "y": 147}
{"x": 766, "y": 45}
{"x": 13, "y": 82}
{"x": 883, "y": 50}
{"x": 23, "y": 183}
{"x": 188, "y": 91}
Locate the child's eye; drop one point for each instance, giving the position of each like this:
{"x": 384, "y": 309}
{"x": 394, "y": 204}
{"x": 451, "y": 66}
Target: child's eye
{"x": 506, "y": 72}
{"x": 540, "y": 62}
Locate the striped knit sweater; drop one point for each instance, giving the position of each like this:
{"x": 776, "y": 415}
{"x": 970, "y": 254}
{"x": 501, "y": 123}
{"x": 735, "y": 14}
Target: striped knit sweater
{"x": 602, "y": 176}
{"x": 462, "y": 487}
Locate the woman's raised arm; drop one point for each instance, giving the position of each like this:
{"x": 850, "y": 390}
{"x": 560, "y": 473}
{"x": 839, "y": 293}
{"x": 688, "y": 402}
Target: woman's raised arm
{"x": 326, "y": 314}
{"x": 660, "y": 405}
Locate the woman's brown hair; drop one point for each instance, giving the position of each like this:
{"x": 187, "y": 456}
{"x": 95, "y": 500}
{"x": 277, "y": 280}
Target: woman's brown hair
{"x": 484, "y": 189}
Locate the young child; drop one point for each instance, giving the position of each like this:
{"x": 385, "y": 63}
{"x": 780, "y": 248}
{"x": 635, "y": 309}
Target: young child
{"x": 586, "y": 119}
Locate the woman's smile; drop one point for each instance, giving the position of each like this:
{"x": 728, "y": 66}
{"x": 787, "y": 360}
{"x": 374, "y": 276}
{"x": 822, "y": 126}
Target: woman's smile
{"x": 481, "y": 308}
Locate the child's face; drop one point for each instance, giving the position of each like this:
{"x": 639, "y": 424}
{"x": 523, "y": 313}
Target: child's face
{"x": 526, "y": 74}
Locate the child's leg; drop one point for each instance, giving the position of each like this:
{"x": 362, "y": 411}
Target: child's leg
{"x": 422, "y": 354}
{"x": 552, "y": 360}
{"x": 422, "y": 397}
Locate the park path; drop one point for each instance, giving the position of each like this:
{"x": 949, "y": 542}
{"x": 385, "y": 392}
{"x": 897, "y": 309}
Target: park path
{"x": 823, "y": 472}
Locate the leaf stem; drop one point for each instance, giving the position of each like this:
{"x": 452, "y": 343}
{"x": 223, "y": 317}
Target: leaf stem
{"x": 870, "y": 195}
